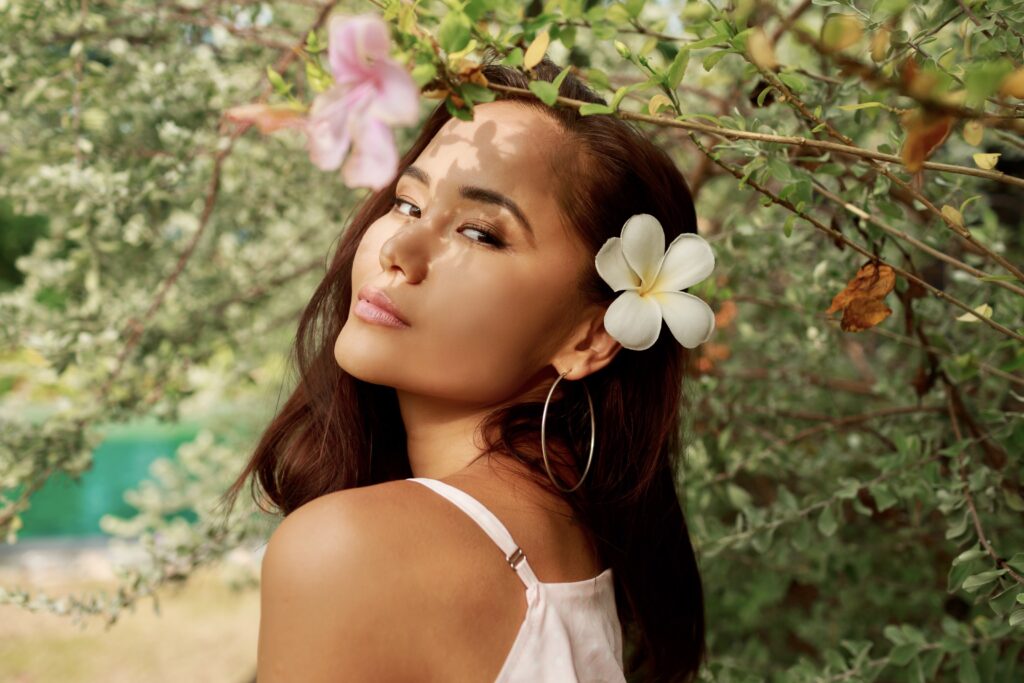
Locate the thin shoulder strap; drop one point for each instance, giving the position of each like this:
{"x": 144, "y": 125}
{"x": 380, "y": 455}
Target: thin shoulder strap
{"x": 491, "y": 525}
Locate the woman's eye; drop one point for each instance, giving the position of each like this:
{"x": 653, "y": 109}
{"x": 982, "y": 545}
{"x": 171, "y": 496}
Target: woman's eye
{"x": 398, "y": 200}
{"x": 490, "y": 237}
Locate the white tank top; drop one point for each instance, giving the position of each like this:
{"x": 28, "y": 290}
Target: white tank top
{"x": 571, "y": 631}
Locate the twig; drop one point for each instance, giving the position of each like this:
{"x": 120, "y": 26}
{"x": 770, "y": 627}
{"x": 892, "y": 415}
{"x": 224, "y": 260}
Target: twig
{"x": 959, "y": 265}
{"x": 838, "y": 236}
{"x": 973, "y": 510}
{"x": 730, "y": 133}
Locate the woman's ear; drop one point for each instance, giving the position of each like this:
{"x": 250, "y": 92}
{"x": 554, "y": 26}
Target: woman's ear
{"x": 589, "y": 348}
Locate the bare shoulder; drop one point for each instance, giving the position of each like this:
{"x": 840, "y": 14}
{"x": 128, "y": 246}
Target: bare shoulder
{"x": 345, "y": 588}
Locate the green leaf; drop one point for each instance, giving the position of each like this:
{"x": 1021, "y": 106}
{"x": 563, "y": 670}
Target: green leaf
{"x": 713, "y": 58}
{"x": 827, "y": 524}
{"x": 626, "y": 89}
{"x": 706, "y": 42}
{"x": 598, "y": 79}
{"x": 514, "y": 57}
{"x": 958, "y": 573}
{"x": 567, "y": 36}
{"x": 677, "y": 69}
{"x": 561, "y": 76}
{"x": 738, "y": 496}
{"x": 967, "y": 672}
{"x": 464, "y": 114}
{"x": 477, "y": 93}
{"x": 958, "y": 528}
{"x": 594, "y": 108}
{"x": 313, "y": 44}
{"x": 319, "y": 80}
{"x": 982, "y": 78}
{"x": 1005, "y": 601}
{"x": 424, "y": 73}
{"x": 848, "y": 487}
{"x": 902, "y": 654}
{"x": 634, "y": 7}
{"x": 795, "y": 82}
{"x": 454, "y": 32}
{"x": 969, "y": 554}
{"x": 787, "y": 227}
{"x": 1017, "y": 616}
{"x": 546, "y": 91}
{"x": 884, "y": 499}
{"x": 1013, "y": 500}
{"x": 976, "y": 581}
{"x": 275, "y": 80}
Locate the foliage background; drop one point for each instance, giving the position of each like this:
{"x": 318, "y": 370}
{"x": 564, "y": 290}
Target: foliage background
{"x": 856, "y": 497}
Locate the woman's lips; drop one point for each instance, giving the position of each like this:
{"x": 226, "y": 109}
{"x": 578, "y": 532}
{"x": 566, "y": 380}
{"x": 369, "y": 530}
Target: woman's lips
{"x": 373, "y": 314}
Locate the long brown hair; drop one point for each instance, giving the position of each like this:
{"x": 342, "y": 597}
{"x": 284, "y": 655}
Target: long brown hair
{"x": 336, "y": 432}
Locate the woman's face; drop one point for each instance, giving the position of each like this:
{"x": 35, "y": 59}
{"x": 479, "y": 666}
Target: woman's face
{"x": 487, "y": 313}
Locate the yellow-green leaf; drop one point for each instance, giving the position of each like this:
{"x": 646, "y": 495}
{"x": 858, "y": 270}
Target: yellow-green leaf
{"x": 536, "y": 51}
{"x": 952, "y": 215}
{"x": 760, "y": 49}
{"x": 862, "y": 105}
{"x": 986, "y": 161}
{"x": 840, "y": 31}
{"x": 983, "y": 310}
{"x": 973, "y": 132}
{"x": 657, "y": 102}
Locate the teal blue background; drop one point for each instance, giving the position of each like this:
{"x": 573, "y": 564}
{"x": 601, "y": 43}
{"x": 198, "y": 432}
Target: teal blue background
{"x": 66, "y": 507}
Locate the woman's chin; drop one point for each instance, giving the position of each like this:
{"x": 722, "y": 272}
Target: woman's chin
{"x": 362, "y": 357}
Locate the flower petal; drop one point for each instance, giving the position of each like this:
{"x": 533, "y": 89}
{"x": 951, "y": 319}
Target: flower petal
{"x": 633, "y": 320}
{"x": 689, "y": 260}
{"x": 334, "y": 117}
{"x": 354, "y": 44}
{"x": 612, "y": 267}
{"x": 268, "y": 118}
{"x": 397, "y": 100}
{"x": 329, "y": 140}
{"x": 643, "y": 245}
{"x": 689, "y": 318}
{"x": 374, "y": 159}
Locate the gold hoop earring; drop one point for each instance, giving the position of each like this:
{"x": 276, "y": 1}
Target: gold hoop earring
{"x": 543, "y": 424}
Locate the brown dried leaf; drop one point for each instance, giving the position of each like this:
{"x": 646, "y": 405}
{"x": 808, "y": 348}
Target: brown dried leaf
{"x": 862, "y": 314}
{"x": 880, "y": 44}
{"x": 862, "y": 301}
{"x": 267, "y": 117}
{"x": 925, "y": 133}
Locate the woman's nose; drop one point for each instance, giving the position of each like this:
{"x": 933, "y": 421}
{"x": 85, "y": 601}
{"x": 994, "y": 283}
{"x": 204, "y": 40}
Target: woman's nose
{"x": 409, "y": 248}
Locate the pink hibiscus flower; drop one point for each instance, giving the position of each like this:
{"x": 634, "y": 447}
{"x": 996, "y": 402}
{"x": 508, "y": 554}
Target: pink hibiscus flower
{"x": 350, "y": 123}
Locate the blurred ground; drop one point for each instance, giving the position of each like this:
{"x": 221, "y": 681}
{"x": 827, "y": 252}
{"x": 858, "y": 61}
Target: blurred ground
{"x": 205, "y": 632}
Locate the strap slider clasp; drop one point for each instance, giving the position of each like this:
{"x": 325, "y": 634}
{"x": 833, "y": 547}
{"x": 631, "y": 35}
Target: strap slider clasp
{"x": 516, "y": 557}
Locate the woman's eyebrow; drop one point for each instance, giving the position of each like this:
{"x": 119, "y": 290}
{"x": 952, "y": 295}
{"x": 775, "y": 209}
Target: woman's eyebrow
{"x": 479, "y": 194}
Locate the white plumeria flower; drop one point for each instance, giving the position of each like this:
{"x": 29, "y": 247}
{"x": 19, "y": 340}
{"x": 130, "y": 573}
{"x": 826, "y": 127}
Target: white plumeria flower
{"x": 651, "y": 276}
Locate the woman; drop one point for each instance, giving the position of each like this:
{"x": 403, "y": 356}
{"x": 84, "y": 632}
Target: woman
{"x": 410, "y": 453}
